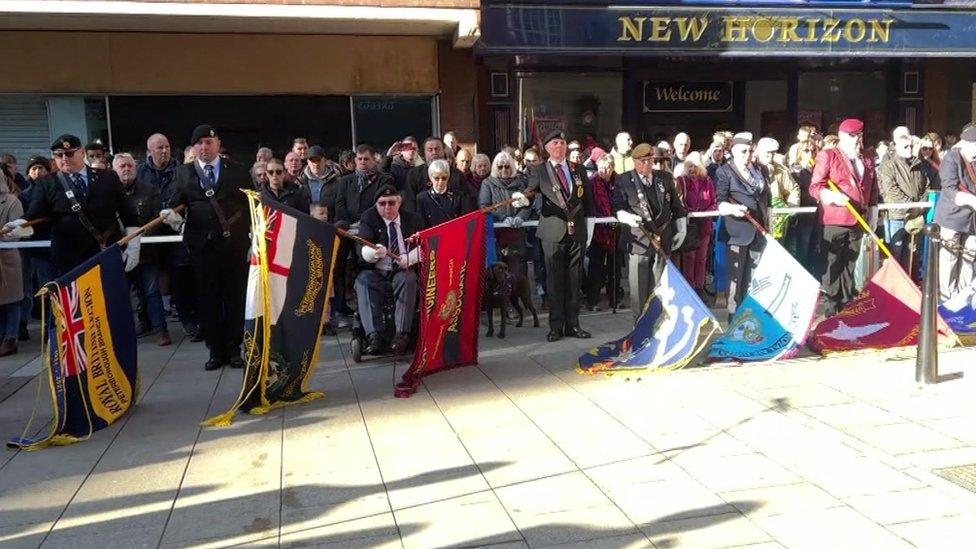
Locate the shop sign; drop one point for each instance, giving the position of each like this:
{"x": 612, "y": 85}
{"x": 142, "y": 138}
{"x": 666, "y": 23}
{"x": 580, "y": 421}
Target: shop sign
{"x": 687, "y": 96}
{"x": 664, "y": 30}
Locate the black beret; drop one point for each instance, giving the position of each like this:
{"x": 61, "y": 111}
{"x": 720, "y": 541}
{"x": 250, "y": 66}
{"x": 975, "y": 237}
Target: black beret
{"x": 968, "y": 133}
{"x": 387, "y": 190}
{"x": 66, "y": 141}
{"x": 39, "y": 161}
{"x": 554, "y": 134}
{"x": 201, "y": 131}
{"x": 96, "y": 145}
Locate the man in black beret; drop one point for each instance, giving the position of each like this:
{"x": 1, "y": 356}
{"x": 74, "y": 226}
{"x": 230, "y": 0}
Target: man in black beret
{"x": 84, "y": 204}
{"x": 215, "y": 229}
{"x": 566, "y": 202}
{"x": 389, "y": 264}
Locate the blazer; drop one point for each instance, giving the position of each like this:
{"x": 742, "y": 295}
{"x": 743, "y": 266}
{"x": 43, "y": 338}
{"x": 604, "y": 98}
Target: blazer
{"x": 955, "y": 179}
{"x": 553, "y": 218}
{"x": 833, "y": 165}
{"x": 372, "y": 227}
{"x": 105, "y": 204}
{"x": 202, "y": 224}
{"x": 730, "y": 186}
{"x": 351, "y": 202}
{"x": 435, "y": 209}
{"x": 665, "y": 208}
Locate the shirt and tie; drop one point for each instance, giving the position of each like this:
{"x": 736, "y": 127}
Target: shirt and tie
{"x": 395, "y": 244}
{"x": 80, "y": 181}
{"x": 211, "y": 171}
{"x": 564, "y": 175}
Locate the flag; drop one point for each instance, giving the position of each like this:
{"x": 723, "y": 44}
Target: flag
{"x": 673, "y": 327}
{"x": 452, "y": 275}
{"x": 88, "y": 345}
{"x": 959, "y": 312}
{"x": 491, "y": 243}
{"x": 774, "y": 318}
{"x": 886, "y": 314}
{"x": 288, "y": 284}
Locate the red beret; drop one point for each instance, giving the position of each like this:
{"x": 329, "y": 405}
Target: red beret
{"x": 851, "y": 126}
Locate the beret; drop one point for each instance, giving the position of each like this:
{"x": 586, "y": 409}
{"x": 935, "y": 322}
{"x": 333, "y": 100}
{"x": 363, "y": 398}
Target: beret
{"x": 66, "y": 141}
{"x": 851, "y": 126}
{"x": 201, "y": 131}
{"x": 554, "y": 134}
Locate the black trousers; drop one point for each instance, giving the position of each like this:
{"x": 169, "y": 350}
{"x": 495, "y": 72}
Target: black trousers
{"x": 603, "y": 273}
{"x": 563, "y": 264}
{"x": 220, "y": 274}
{"x": 842, "y": 246}
{"x": 742, "y": 261}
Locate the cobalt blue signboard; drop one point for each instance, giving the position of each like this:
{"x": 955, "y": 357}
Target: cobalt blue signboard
{"x": 665, "y": 30}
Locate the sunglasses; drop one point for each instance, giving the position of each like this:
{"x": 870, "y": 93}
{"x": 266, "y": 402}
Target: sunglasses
{"x": 386, "y": 203}
{"x": 274, "y": 172}
{"x": 64, "y": 154}
{"x": 440, "y": 178}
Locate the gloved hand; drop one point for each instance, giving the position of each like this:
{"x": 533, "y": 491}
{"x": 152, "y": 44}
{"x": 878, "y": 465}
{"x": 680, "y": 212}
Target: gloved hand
{"x": 873, "y": 217}
{"x": 414, "y": 256}
{"x": 963, "y": 199}
{"x": 130, "y": 256}
{"x": 734, "y": 210}
{"x": 372, "y": 255}
{"x": 341, "y": 224}
{"x": 15, "y": 224}
{"x": 833, "y": 198}
{"x": 628, "y": 218}
{"x": 521, "y": 201}
{"x": 516, "y": 222}
{"x": 682, "y": 231}
{"x": 403, "y": 261}
{"x": 17, "y": 230}
{"x": 171, "y": 218}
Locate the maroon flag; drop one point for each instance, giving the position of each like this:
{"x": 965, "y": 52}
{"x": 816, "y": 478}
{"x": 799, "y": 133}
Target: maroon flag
{"x": 887, "y": 314}
{"x": 451, "y": 276}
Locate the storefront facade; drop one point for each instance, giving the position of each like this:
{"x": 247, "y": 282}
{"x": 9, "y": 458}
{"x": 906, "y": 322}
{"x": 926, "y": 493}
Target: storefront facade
{"x": 662, "y": 67}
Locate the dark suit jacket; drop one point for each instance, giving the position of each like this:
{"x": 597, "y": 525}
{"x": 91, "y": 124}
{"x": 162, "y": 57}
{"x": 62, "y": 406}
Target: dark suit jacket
{"x": 955, "y": 179}
{"x": 293, "y": 196}
{"x": 731, "y": 187}
{"x": 436, "y": 209}
{"x": 202, "y": 223}
{"x": 418, "y": 181}
{"x": 665, "y": 206}
{"x": 71, "y": 243}
{"x": 552, "y": 220}
{"x": 372, "y": 227}
{"x": 351, "y": 202}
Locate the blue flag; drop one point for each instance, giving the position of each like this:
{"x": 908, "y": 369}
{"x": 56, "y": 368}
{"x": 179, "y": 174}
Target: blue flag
{"x": 959, "y": 312}
{"x": 673, "y": 327}
{"x": 774, "y": 319}
{"x": 89, "y": 350}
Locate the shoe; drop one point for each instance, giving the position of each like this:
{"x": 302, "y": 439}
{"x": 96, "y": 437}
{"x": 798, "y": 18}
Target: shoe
{"x": 22, "y": 333}
{"x": 213, "y": 364}
{"x": 193, "y": 333}
{"x": 342, "y": 321}
{"x": 578, "y": 333}
{"x": 400, "y": 343}
{"x": 554, "y": 335}
{"x": 8, "y": 347}
{"x": 163, "y": 339}
{"x": 374, "y": 345}
{"x": 593, "y": 308}
{"x": 236, "y": 363}
{"x": 328, "y": 330}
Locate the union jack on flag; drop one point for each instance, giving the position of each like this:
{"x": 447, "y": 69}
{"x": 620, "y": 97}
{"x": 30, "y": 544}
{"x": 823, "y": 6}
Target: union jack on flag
{"x": 74, "y": 359}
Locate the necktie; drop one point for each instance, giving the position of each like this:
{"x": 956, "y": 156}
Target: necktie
{"x": 562, "y": 178}
{"x": 211, "y": 178}
{"x": 394, "y": 246}
{"x": 80, "y": 186}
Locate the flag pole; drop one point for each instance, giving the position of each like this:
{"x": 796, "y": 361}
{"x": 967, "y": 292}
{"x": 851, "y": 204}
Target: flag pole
{"x": 125, "y": 239}
{"x": 31, "y": 223}
{"x": 862, "y": 222}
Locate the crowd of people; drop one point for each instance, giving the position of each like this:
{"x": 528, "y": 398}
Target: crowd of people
{"x": 92, "y": 198}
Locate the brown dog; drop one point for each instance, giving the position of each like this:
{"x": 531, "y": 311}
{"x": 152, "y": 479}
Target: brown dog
{"x": 506, "y": 288}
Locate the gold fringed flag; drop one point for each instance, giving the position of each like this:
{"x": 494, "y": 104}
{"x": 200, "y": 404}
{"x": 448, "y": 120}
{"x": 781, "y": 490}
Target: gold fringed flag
{"x": 88, "y": 346}
{"x": 288, "y": 285}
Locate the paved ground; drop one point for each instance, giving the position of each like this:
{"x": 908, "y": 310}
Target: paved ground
{"x": 518, "y": 451}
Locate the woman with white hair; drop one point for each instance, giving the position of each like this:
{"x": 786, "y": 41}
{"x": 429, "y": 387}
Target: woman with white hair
{"x": 438, "y": 204}
{"x": 480, "y": 170}
{"x": 503, "y": 182}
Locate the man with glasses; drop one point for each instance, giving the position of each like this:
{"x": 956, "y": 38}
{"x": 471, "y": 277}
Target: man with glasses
{"x": 85, "y": 205}
{"x": 389, "y": 264}
{"x": 853, "y": 174}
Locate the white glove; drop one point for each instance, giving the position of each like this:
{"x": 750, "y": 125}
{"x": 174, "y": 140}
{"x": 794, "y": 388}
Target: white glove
{"x": 171, "y": 218}
{"x": 833, "y": 198}
{"x": 734, "y": 210}
{"x": 130, "y": 256}
{"x": 17, "y": 230}
{"x": 682, "y": 232}
{"x": 521, "y": 201}
{"x": 15, "y": 224}
{"x": 873, "y": 217}
{"x": 963, "y": 199}
{"x": 372, "y": 255}
{"x": 517, "y": 222}
{"x": 628, "y": 218}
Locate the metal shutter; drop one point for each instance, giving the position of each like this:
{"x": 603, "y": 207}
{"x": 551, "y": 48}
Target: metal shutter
{"x": 23, "y": 127}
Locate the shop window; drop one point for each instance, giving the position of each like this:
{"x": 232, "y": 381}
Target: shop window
{"x": 582, "y": 105}
{"x": 826, "y": 98}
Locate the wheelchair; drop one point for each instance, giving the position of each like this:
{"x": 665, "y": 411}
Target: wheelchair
{"x": 359, "y": 342}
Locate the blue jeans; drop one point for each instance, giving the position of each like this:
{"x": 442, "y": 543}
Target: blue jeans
{"x": 897, "y": 239}
{"x": 145, "y": 277}
{"x": 34, "y": 263}
{"x": 9, "y": 320}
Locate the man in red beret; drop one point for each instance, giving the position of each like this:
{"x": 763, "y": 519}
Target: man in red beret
{"x": 853, "y": 175}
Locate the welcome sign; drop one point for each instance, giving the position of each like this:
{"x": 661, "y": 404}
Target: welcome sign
{"x": 687, "y": 96}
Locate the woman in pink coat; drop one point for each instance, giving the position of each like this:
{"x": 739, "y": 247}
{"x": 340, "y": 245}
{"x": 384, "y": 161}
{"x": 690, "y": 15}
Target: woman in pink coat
{"x": 698, "y": 194}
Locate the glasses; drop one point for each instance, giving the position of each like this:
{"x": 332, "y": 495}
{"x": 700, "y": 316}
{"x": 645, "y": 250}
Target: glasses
{"x": 440, "y": 178}
{"x": 504, "y": 168}
{"x": 386, "y": 203}
{"x": 274, "y": 172}
{"x": 64, "y": 154}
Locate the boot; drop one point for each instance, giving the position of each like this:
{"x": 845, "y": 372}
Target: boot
{"x": 8, "y": 347}
{"x": 22, "y": 333}
{"x": 163, "y": 339}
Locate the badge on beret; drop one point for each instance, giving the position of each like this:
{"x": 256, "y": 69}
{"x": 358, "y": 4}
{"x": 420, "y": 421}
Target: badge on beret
{"x": 66, "y": 144}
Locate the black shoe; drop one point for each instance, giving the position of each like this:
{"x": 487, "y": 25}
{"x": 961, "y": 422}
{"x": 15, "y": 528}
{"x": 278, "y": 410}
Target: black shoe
{"x": 213, "y": 364}
{"x": 400, "y": 343}
{"x": 578, "y": 333}
{"x": 22, "y": 333}
{"x": 554, "y": 335}
{"x": 374, "y": 345}
{"x": 236, "y": 362}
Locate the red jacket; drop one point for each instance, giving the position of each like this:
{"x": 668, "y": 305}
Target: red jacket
{"x": 834, "y": 165}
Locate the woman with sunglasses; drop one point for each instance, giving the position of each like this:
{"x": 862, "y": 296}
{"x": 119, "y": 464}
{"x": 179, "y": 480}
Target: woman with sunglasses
{"x": 438, "y": 204}
{"x": 281, "y": 191}
{"x": 500, "y": 185}
{"x": 930, "y": 153}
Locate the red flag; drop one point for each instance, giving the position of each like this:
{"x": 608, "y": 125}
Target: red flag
{"x": 450, "y": 300}
{"x": 887, "y": 314}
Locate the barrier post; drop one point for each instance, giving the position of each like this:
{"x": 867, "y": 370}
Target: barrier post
{"x": 927, "y": 359}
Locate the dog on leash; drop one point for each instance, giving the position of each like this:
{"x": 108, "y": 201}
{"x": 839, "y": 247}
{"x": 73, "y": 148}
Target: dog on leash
{"x": 506, "y": 288}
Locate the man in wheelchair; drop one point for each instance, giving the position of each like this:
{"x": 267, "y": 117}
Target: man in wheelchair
{"x": 391, "y": 265}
